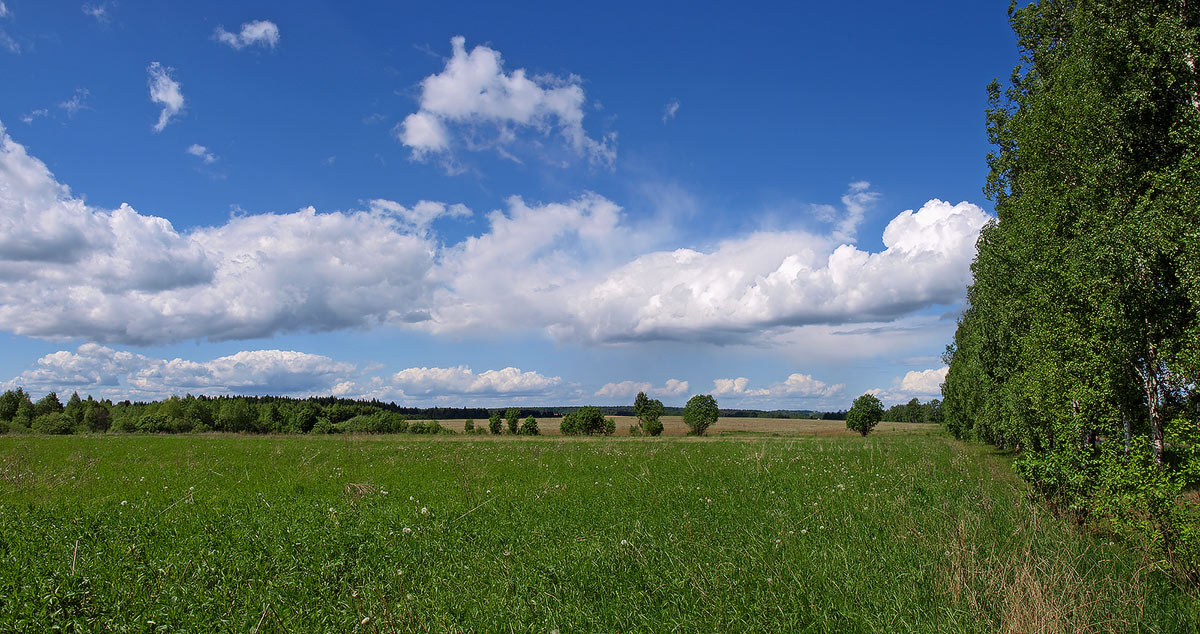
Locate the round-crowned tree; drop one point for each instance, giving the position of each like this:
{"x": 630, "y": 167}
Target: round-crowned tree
{"x": 700, "y": 413}
{"x": 494, "y": 422}
{"x": 866, "y": 412}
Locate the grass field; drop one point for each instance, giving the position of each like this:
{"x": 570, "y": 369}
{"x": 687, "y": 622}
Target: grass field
{"x": 673, "y": 426}
{"x": 905, "y": 531}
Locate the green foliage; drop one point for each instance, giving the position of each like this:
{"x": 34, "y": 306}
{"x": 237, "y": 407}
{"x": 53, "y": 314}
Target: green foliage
{"x": 530, "y": 426}
{"x": 513, "y": 418}
{"x": 374, "y": 423}
{"x": 52, "y": 423}
{"x": 494, "y": 422}
{"x": 700, "y": 413}
{"x": 586, "y": 420}
{"x": 48, "y": 404}
{"x": 649, "y": 412}
{"x": 10, "y": 401}
{"x": 1082, "y": 334}
{"x": 864, "y": 414}
{"x": 469, "y": 426}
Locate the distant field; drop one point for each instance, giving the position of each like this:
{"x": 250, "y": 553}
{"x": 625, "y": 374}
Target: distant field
{"x": 903, "y": 531}
{"x": 673, "y": 426}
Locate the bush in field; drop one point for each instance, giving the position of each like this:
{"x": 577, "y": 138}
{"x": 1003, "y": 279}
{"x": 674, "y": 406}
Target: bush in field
{"x": 866, "y": 412}
{"x": 513, "y": 418}
{"x": 530, "y": 427}
{"x": 700, "y": 413}
{"x": 649, "y": 412}
{"x": 494, "y": 422}
{"x": 469, "y": 426}
{"x": 323, "y": 426}
{"x": 53, "y": 423}
{"x": 586, "y": 420}
{"x": 375, "y": 423}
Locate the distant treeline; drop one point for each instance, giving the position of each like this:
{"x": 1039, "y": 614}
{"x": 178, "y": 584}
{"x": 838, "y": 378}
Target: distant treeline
{"x": 318, "y": 414}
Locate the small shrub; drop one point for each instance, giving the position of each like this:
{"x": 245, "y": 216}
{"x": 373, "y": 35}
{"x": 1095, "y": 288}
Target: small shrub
{"x": 469, "y": 426}
{"x": 530, "y": 426}
{"x": 653, "y": 427}
{"x": 634, "y": 430}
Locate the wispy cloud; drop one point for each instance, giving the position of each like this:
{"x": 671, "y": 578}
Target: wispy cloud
{"x": 669, "y": 110}
{"x": 164, "y": 90}
{"x": 202, "y": 153}
{"x": 262, "y": 33}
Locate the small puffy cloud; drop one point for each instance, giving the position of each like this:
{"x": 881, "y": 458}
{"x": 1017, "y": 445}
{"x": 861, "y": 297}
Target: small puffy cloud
{"x": 924, "y": 382}
{"x": 202, "y": 153}
{"x": 669, "y": 110}
{"x": 795, "y": 386}
{"x": 475, "y": 94}
{"x": 262, "y": 33}
{"x": 103, "y": 371}
{"x": 3, "y": 11}
{"x": 921, "y": 384}
{"x": 673, "y": 387}
{"x": 164, "y": 90}
{"x": 461, "y": 380}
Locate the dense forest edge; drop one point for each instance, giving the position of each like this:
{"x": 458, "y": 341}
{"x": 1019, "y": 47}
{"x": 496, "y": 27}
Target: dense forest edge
{"x": 1079, "y": 349}
{"x": 19, "y": 413}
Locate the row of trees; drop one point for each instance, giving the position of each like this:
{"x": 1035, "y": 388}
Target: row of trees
{"x": 18, "y": 412}
{"x": 1080, "y": 345}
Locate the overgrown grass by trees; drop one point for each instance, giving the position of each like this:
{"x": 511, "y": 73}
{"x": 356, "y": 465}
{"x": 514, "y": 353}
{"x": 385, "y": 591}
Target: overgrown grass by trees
{"x": 1080, "y": 346}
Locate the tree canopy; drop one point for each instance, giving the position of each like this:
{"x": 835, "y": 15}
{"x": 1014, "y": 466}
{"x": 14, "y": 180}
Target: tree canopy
{"x": 1080, "y": 344}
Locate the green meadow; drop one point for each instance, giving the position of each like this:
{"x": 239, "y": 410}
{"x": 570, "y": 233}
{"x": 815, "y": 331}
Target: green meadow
{"x": 903, "y": 531}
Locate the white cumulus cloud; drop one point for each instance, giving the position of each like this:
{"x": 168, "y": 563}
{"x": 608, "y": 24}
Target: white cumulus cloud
{"x": 924, "y": 382}
{"x": 164, "y": 90}
{"x": 463, "y": 381}
{"x": 474, "y": 93}
{"x": 103, "y": 371}
{"x": 672, "y": 387}
{"x": 579, "y": 271}
{"x": 262, "y": 33}
{"x": 795, "y": 386}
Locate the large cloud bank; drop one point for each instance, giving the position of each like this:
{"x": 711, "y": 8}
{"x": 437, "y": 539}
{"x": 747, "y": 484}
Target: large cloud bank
{"x": 578, "y": 270}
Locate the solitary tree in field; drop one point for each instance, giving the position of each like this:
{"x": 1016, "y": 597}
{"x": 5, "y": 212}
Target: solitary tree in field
{"x": 494, "y": 423}
{"x": 648, "y": 412}
{"x": 513, "y": 418}
{"x": 530, "y": 426}
{"x": 866, "y": 412}
{"x": 700, "y": 413}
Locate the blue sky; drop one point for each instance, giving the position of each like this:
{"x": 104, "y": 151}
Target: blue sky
{"x": 480, "y": 205}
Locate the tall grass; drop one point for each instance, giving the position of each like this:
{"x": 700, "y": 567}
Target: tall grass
{"x": 900, "y": 532}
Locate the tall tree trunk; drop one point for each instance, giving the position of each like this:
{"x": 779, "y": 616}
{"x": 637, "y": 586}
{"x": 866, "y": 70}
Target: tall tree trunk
{"x": 1151, "y": 382}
